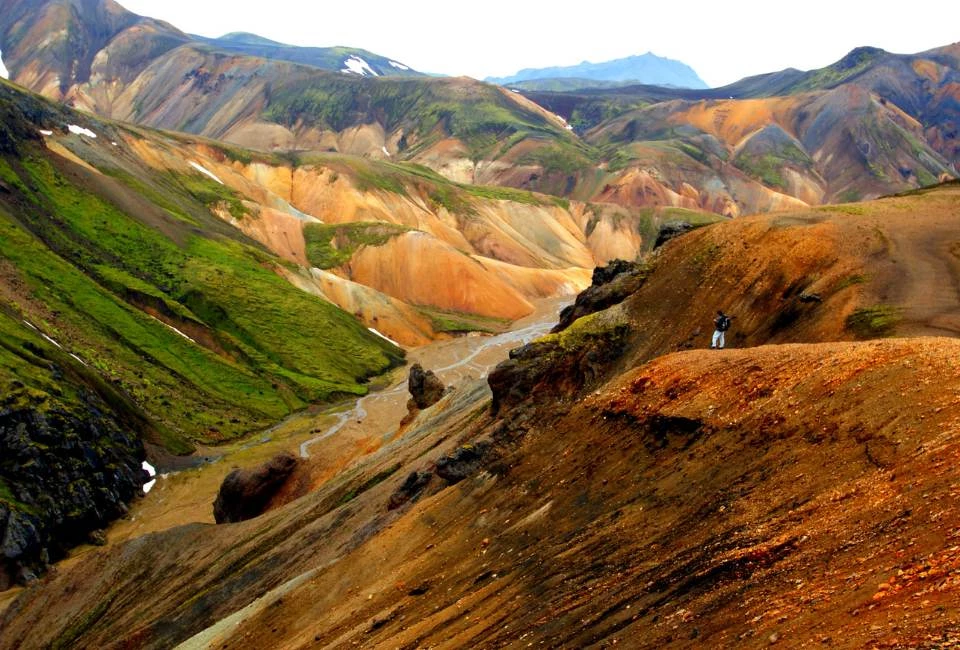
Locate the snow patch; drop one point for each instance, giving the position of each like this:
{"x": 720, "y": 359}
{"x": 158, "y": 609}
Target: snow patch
{"x": 114, "y": 144}
{"x": 356, "y": 65}
{"x": 151, "y": 470}
{"x": 385, "y": 338}
{"x": 385, "y": 150}
{"x": 45, "y": 132}
{"x": 173, "y": 328}
{"x": 3, "y": 69}
{"x": 206, "y": 172}
{"x": 399, "y": 66}
{"x": 51, "y": 340}
{"x": 79, "y": 130}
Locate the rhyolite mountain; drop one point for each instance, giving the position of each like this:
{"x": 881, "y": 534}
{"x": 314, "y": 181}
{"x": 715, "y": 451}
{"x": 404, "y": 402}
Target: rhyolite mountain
{"x": 872, "y": 124}
{"x": 642, "y": 69}
{"x": 796, "y": 489}
{"x": 160, "y": 292}
{"x": 349, "y": 60}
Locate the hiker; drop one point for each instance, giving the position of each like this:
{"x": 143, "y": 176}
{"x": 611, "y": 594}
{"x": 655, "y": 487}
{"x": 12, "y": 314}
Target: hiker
{"x": 722, "y": 324}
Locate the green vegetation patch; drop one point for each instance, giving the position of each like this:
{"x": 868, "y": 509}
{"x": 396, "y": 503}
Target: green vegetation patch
{"x": 478, "y": 115}
{"x": 834, "y": 75}
{"x": 262, "y": 348}
{"x": 331, "y": 245}
{"x": 210, "y": 193}
{"x": 873, "y": 322}
{"x": 851, "y": 280}
{"x": 558, "y": 158}
{"x": 453, "y": 322}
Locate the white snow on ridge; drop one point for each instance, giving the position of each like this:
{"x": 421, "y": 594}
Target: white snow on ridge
{"x": 153, "y": 473}
{"x": 356, "y": 65}
{"x": 3, "y": 69}
{"x": 206, "y": 172}
{"x": 51, "y": 340}
{"x": 79, "y": 130}
{"x": 45, "y": 132}
{"x": 385, "y": 338}
{"x": 399, "y": 66}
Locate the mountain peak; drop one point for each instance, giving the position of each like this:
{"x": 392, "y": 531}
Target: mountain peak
{"x": 643, "y": 68}
{"x": 247, "y": 38}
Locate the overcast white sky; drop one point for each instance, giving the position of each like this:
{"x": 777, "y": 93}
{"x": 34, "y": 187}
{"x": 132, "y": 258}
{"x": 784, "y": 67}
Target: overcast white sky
{"x": 722, "y": 41}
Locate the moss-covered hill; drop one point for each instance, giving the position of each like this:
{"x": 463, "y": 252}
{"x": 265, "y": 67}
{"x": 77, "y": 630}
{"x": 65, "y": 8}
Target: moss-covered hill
{"x": 135, "y": 277}
{"x": 130, "y": 314}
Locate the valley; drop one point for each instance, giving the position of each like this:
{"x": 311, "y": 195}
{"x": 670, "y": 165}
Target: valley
{"x": 423, "y": 361}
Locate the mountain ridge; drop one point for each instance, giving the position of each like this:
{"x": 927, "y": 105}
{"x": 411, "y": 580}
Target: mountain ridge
{"x": 640, "y": 68}
{"x": 633, "y": 146}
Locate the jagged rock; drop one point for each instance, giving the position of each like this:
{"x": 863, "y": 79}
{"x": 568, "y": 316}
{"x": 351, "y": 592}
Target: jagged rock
{"x": 557, "y": 366}
{"x": 612, "y": 284}
{"x": 426, "y": 389}
{"x": 245, "y": 493}
{"x": 410, "y": 490}
{"x": 605, "y": 274}
{"x": 463, "y": 462}
{"x": 69, "y": 470}
{"x": 670, "y": 230}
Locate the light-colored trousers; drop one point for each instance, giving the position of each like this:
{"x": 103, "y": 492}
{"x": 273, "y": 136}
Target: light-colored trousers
{"x": 718, "y": 340}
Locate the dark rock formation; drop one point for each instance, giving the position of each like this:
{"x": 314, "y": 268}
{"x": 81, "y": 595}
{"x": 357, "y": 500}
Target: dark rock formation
{"x": 426, "y": 389}
{"x": 670, "y": 230}
{"x": 410, "y": 490}
{"x": 245, "y": 493}
{"x": 611, "y": 285}
{"x": 65, "y": 471}
{"x": 557, "y": 367}
{"x": 463, "y": 462}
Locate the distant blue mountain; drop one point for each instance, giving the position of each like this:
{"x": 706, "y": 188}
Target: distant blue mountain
{"x": 644, "y": 68}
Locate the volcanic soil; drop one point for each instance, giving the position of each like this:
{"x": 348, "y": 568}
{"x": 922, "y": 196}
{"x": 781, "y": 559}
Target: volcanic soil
{"x": 800, "y": 489}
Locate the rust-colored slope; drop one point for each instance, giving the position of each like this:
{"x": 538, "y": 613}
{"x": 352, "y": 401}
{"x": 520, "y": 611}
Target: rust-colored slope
{"x": 784, "y": 493}
{"x": 816, "y": 275}
{"x": 798, "y": 493}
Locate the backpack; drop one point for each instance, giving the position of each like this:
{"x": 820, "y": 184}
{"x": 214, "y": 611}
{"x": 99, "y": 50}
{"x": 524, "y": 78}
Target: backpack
{"x": 723, "y": 323}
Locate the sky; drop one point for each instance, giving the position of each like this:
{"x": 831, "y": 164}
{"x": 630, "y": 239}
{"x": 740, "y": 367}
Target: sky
{"x": 722, "y": 41}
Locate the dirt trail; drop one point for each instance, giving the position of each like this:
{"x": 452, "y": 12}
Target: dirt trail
{"x": 926, "y": 273}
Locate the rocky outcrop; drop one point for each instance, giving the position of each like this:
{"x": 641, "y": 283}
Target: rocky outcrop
{"x": 65, "y": 472}
{"x": 670, "y": 230}
{"x": 611, "y": 285}
{"x": 426, "y": 389}
{"x": 558, "y": 365}
{"x": 245, "y": 493}
{"x": 464, "y": 461}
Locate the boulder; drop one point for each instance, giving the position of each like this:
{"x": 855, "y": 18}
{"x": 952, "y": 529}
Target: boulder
{"x": 426, "y": 389}
{"x": 245, "y": 493}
